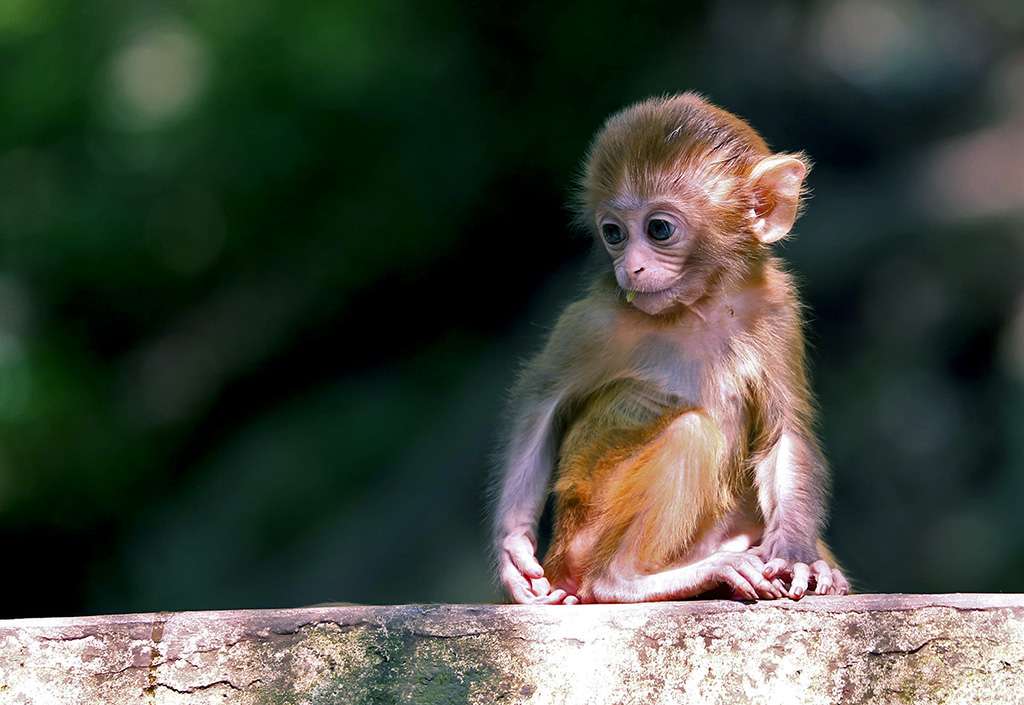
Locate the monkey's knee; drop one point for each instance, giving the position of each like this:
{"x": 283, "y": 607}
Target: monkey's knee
{"x": 690, "y": 448}
{"x": 698, "y": 427}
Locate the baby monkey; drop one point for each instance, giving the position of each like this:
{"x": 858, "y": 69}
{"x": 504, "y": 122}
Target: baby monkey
{"x": 672, "y": 402}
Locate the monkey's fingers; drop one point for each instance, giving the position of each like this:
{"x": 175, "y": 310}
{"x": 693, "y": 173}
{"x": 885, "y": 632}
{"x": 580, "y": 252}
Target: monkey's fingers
{"x": 546, "y": 596}
{"x": 522, "y": 588}
{"x": 542, "y": 588}
{"x": 555, "y": 597}
{"x": 801, "y": 580}
{"x": 839, "y": 584}
{"x": 744, "y": 574}
{"x": 742, "y": 589}
{"x": 766, "y": 589}
{"x": 523, "y": 555}
{"x": 516, "y": 585}
{"x": 776, "y": 568}
{"x": 823, "y": 581}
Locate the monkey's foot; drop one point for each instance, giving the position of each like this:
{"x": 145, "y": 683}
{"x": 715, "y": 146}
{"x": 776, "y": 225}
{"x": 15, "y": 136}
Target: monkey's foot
{"x": 819, "y": 575}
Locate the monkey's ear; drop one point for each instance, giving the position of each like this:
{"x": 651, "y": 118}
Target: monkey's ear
{"x": 777, "y": 181}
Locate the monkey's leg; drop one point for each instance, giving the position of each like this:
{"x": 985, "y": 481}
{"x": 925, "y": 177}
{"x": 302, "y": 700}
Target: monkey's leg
{"x": 659, "y": 518}
{"x": 740, "y": 572}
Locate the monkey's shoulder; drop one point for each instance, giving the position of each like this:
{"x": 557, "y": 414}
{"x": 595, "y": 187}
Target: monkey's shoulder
{"x": 578, "y": 345}
{"x": 768, "y": 303}
{"x": 778, "y": 292}
{"x": 590, "y": 318}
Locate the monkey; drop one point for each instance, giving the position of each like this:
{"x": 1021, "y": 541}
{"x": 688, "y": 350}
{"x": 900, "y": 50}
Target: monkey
{"x": 671, "y": 403}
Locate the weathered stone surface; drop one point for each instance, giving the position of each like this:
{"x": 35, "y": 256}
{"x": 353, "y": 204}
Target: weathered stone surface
{"x": 865, "y": 648}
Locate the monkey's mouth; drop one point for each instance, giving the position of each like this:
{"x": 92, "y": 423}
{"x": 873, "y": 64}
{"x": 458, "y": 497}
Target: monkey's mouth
{"x": 631, "y": 294}
{"x": 653, "y": 302}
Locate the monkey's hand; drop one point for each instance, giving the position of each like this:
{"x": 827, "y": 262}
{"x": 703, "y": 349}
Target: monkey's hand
{"x": 743, "y": 572}
{"x": 523, "y": 577}
{"x": 801, "y": 576}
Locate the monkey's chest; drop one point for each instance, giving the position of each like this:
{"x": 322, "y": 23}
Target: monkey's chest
{"x": 701, "y": 368}
{"x": 617, "y": 419}
{"x": 621, "y": 418}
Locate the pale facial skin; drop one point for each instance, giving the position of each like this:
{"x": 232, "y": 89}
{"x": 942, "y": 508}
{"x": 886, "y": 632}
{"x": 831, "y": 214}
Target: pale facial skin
{"x": 648, "y": 247}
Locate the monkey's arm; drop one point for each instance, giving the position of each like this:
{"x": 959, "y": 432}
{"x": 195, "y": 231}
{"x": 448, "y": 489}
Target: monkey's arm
{"x": 566, "y": 364}
{"x": 790, "y": 473}
{"x": 526, "y": 470}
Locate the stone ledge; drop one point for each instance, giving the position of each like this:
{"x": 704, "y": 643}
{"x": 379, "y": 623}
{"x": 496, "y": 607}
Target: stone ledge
{"x": 863, "y": 648}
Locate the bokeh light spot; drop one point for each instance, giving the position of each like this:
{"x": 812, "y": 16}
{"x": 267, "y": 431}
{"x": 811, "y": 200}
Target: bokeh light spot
{"x": 159, "y": 75}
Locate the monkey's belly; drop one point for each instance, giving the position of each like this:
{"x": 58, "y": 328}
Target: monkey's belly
{"x": 642, "y": 485}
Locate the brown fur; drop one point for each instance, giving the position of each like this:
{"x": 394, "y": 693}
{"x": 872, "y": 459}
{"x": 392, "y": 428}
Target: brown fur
{"x": 630, "y": 485}
{"x": 681, "y": 430}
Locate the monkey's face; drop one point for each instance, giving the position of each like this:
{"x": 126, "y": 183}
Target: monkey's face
{"x": 651, "y": 250}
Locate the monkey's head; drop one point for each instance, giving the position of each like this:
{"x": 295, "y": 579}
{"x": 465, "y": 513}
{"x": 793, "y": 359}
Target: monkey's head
{"x": 684, "y": 196}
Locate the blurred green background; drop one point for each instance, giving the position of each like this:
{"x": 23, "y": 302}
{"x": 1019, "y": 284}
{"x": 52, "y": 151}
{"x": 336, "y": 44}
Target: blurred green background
{"x": 268, "y": 268}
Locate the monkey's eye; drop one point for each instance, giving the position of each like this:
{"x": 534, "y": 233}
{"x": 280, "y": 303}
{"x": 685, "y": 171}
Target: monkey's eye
{"x": 612, "y": 233}
{"x": 658, "y": 229}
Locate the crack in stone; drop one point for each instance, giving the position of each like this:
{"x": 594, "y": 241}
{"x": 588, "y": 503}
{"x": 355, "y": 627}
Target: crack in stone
{"x": 207, "y": 686}
{"x": 903, "y": 652}
{"x": 222, "y": 649}
{"x": 66, "y": 639}
{"x": 119, "y": 671}
{"x": 156, "y": 636}
{"x": 63, "y": 669}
